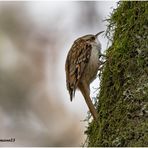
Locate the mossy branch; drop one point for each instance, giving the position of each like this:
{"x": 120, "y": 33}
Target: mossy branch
{"x": 123, "y": 96}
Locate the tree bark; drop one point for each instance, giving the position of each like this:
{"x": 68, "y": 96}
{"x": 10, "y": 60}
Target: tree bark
{"x": 123, "y": 97}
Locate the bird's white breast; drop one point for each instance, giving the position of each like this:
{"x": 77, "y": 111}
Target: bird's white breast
{"x": 96, "y": 50}
{"x": 93, "y": 65}
{"x": 94, "y": 58}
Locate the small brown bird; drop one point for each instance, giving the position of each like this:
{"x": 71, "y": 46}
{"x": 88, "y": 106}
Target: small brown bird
{"x": 81, "y": 67}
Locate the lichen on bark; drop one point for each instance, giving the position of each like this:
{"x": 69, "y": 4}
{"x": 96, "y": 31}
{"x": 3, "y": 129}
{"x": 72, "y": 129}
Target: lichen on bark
{"x": 123, "y": 96}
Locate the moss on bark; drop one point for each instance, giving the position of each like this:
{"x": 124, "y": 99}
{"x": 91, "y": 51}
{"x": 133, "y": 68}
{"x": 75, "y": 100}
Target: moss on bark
{"x": 123, "y": 97}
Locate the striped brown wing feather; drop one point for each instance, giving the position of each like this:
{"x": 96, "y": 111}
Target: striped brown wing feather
{"x": 76, "y": 62}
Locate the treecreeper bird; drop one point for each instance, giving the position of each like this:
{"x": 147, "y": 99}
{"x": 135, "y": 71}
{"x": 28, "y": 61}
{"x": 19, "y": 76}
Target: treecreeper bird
{"x": 81, "y": 67}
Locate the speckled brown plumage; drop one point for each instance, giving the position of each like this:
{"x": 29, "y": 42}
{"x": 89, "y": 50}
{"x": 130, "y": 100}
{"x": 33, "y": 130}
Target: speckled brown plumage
{"x": 75, "y": 66}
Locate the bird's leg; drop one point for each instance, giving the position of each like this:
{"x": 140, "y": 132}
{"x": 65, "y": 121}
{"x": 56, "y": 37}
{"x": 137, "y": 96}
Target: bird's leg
{"x": 101, "y": 62}
{"x": 86, "y": 93}
{"x": 100, "y": 69}
{"x": 103, "y": 55}
{"x": 101, "y": 65}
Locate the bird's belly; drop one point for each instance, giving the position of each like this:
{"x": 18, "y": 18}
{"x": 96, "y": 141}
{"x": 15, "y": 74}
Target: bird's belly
{"x": 92, "y": 67}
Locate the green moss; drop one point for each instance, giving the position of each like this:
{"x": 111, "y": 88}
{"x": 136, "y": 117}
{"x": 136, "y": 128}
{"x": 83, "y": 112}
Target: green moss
{"x": 123, "y": 97}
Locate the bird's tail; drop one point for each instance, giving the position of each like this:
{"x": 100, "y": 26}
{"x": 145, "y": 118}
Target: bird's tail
{"x": 85, "y": 91}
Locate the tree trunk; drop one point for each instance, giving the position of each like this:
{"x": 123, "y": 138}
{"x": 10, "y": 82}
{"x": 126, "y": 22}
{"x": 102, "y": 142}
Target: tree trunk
{"x": 123, "y": 98}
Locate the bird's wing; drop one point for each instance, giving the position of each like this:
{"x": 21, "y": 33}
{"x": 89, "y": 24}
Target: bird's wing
{"x": 76, "y": 62}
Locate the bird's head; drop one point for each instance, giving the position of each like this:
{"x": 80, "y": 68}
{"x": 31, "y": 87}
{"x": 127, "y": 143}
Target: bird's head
{"x": 90, "y": 37}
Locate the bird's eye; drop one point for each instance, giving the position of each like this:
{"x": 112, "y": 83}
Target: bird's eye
{"x": 92, "y": 38}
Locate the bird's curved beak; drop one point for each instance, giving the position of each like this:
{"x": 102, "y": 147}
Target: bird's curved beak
{"x": 98, "y": 33}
